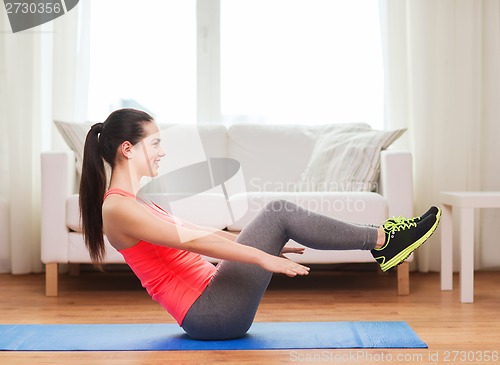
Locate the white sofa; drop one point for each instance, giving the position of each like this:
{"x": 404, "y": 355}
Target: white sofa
{"x": 270, "y": 161}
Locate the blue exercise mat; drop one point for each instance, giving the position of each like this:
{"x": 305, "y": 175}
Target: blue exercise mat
{"x": 158, "y": 337}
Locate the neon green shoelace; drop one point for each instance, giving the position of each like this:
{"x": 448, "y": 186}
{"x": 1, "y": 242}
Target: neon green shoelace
{"x": 398, "y": 224}
{"x": 403, "y": 219}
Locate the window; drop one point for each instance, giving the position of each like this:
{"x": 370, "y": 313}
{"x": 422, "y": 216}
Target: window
{"x": 143, "y": 55}
{"x": 301, "y": 61}
{"x": 279, "y": 61}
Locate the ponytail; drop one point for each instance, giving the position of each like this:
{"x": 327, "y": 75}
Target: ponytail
{"x": 92, "y": 189}
{"x": 101, "y": 145}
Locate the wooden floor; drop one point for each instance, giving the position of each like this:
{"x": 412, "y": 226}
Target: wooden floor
{"x": 452, "y": 330}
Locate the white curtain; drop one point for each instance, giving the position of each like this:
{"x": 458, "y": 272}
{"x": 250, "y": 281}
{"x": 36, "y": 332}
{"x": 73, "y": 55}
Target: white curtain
{"x": 40, "y": 80}
{"x": 442, "y": 77}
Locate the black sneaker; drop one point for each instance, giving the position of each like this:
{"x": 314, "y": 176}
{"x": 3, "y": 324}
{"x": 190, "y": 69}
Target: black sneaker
{"x": 432, "y": 211}
{"x": 402, "y": 238}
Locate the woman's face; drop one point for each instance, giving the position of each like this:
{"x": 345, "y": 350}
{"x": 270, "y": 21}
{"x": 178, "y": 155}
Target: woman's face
{"x": 149, "y": 150}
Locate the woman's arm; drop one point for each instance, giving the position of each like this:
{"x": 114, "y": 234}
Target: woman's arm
{"x": 133, "y": 220}
{"x": 215, "y": 231}
{"x": 232, "y": 237}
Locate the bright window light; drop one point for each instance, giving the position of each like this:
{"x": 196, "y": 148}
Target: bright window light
{"x": 143, "y": 54}
{"x": 301, "y": 61}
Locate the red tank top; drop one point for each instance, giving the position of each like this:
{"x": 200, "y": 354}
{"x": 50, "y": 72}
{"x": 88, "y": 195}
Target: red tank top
{"x": 172, "y": 277}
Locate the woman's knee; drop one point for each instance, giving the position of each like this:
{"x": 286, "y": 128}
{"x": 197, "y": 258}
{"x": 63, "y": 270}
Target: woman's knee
{"x": 280, "y": 205}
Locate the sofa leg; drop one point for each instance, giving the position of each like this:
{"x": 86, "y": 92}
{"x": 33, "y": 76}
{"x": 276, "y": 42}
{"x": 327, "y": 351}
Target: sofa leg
{"x": 51, "y": 277}
{"x": 404, "y": 278}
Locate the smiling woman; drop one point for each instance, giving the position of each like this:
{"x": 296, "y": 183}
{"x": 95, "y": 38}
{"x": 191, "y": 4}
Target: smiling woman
{"x": 166, "y": 252}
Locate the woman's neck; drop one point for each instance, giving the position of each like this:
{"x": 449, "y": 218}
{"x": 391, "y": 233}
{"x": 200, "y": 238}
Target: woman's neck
{"x": 122, "y": 178}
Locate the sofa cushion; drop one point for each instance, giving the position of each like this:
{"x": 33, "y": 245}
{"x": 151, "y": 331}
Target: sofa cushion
{"x": 187, "y": 144}
{"x": 273, "y": 157}
{"x": 355, "y": 207}
{"x": 74, "y": 135}
{"x": 347, "y": 160}
{"x": 209, "y": 209}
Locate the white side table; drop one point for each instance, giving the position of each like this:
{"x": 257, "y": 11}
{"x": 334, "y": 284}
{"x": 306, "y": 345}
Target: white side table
{"x": 463, "y": 204}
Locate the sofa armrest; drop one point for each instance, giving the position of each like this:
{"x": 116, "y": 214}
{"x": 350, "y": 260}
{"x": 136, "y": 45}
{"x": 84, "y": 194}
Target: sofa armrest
{"x": 58, "y": 182}
{"x": 396, "y": 182}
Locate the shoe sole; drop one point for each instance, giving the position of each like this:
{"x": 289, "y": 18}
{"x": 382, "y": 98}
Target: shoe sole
{"x": 403, "y": 255}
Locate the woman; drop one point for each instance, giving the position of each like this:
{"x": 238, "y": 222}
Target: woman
{"x": 209, "y": 302}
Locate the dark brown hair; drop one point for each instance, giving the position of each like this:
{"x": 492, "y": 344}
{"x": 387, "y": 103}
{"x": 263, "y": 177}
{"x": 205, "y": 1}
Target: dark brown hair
{"x": 102, "y": 143}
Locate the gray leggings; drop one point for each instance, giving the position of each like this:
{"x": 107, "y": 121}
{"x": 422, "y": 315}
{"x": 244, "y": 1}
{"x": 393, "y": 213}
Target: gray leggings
{"x": 227, "y": 307}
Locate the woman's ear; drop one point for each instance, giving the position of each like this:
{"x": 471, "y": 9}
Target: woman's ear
{"x": 126, "y": 149}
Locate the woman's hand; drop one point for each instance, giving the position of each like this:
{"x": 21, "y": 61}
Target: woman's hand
{"x": 282, "y": 265}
